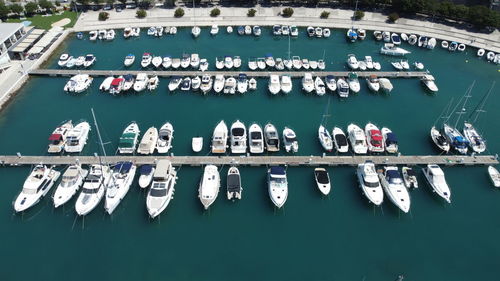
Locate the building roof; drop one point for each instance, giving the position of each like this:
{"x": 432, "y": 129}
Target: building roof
{"x": 8, "y": 29}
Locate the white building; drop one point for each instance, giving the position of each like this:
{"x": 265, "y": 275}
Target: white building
{"x": 10, "y": 33}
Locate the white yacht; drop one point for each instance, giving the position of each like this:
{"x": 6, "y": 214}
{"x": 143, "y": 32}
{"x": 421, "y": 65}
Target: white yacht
{"x": 197, "y": 144}
{"x": 72, "y": 180}
{"x": 331, "y": 84}
{"x": 146, "y": 175}
{"x": 209, "y": 186}
{"x": 357, "y": 138}
{"x": 148, "y": 142}
{"x": 370, "y": 183}
{"x": 58, "y": 137}
{"x": 165, "y": 137}
{"x": 277, "y": 185}
{"x": 174, "y": 83}
{"x": 147, "y": 58}
{"x": 373, "y": 83}
{"x": 128, "y": 139}
{"x": 322, "y": 180}
{"x": 78, "y": 83}
{"x": 342, "y": 88}
{"x": 230, "y": 86}
{"x": 77, "y": 138}
{"x": 352, "y": 62}
{"x": 391, "y": 50}
{"x": 214, "y": 30}
{"x": 238, "y": 137}
{"x": 409, "y": 177}
{"x": 340, "y": 140}
{"x": 274, "y": 84}
{"x": 162, "y": 189}
{"x": 353, "y": 82}
{"x": 374, "y": 138}
{"x": 206, "y": 83}
{"x": 390, "y": 140}
{"x": 286, "y": 84}
{"x": 242, "y": 83}
{"x": 141, "y": 82}
{"x": 476, "y": 142}
{"x": 429, "y": 82}
{"x": 392, "y": 182}
{"x": 494, "y": 176}
{"x": 319, "y": 86}
{"x": 234, "y": 188}
{"x": 219, "y": 138}
{"x": 93, "y": 189}
{"x": 219, "y": 83}
{"x": 255, "y": 139}
{"x": 122, "y": 176}
{"x": 435, "y": 176}
{"x": 290, "y": 140}
{"x": 36, "y": 186}
{"x": 307, "y": 82}
{"x": 325, "y": 138}
{"x": 271, "y": 138}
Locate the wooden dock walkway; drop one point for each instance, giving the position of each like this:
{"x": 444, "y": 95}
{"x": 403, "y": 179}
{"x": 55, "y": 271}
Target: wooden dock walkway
{"x": 293, "y": 74}
{"x": 447, "y": 160}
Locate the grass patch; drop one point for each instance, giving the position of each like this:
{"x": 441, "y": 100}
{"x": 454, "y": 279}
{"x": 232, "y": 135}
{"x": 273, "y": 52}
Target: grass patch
{"x": 45, "y": 22}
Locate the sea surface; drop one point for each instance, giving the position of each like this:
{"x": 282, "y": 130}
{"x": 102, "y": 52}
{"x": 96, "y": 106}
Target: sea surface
{"x": 339, "y": 237}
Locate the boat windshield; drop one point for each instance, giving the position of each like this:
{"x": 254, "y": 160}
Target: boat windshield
{"x": 341, "y": 140}
{"x": 255, "y": 136}
{"x": 238, "y": 131}
{"x": 90, "y": 190}
{"x": 92, "y": 179}
{"x": 394, "y": 177}
{"x": 322, "y": 177}
{"x": 158, "y": 191}
{"x": 370, "y": 184}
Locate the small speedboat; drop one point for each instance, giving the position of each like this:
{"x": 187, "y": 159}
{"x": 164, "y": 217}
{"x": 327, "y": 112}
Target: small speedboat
{"x": 445, "y": 44}
{"x": 197, "y": 144}
{"x": 93, "y": 35}
{"x": 361, "y": 34}
{"x": 195, "y": 31}
{"x": 326, "y": 32}
{"x": 174, "y": 83}
{"x": 241, "y": 30}
{"x": 195, "y": 61}
{"x": 234, "y": 188}
{"x": 196, "y": 83}
{"x": 418, "y": 65}
{"x": 385, "y": 85}
{"x": 294, "y": 31}
{"x": 353, "y": 82}
{"x": 72, "y": 180}
{"x": 318, "y": 32}
{"x": 325, "y": 139}
{"x": 230, "y": 86}
{"x": 255, "y": 139}
{"x": 429, "y": 82}
{"x": 374, "y": 138}
{"x": 390, "y": 140}
{"x": 276, "y": 29}
{"x": 219, "y": 138}
{"x": 296, "y": 62}
{"x": 307, "y": 82}
{"x": 340, "y": 140}
{"x": 480, "y": 52}
{"x": 146, "y": 175}
{"x": 247, "y": 30}
{"x": 494, "y": 176}
{"x": 238, "y": 138}
{"x": 373, "y": 83}
{"x": 229, "y": 29}
{"x": 319, "y": 86}
{"x": 146, "y": 60}
{"x": 252, "y": 84}
{"x": 322, "y": 180}
{"x": 461, "y": 47}
{"x": 330, "y": 82}
{"x": 165, "y": 137}
{"x": 396, "y": 40}
{"x": 290, "y": 140}
{"x": 435, "y": 176}
{"x": 286, "y": 84}
{"x": 186, "y": 84}
{"x": 35, "y": 187}
{"x": 203, "y": 64}
{"x": 453, "y": 46}
{"x": 219, "y": 83}
{"x": 378, "y": 35}
{"x": 214, "y": 30}
{"x": 129, "y": 82}
{"x": 409, "y": 177}
{"x": 391, "y": 50}
{"x": 310, "y": 31}
{"x": 352, "y": 62}
{"x": 271, "y": 138}
{"x": 342, "y": 88}
{"x": 206, "y": 83}
{"x": 256, "y": 30}
{"x": 141, "y": 82}
{"x": 63, "y": 59}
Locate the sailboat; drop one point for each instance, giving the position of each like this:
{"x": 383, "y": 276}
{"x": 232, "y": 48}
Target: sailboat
{"x": 437, "y": 135}
{"x": 323, "y": 135}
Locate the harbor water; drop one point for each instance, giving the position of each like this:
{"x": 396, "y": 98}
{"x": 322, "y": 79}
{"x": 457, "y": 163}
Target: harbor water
{"x": 339, "y": 237}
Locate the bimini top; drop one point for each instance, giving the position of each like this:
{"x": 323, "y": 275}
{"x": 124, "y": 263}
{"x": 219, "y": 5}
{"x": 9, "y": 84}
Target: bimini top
{"x": 54, "y": 137}
{"x": 277, "y": 170}
{"x": 376, "y": 136}
{"x": 391, "y": 138}
{"x": 116, "y": 81}
{"x": 146, "y": 169}
{"x": 123, "y": 167}
{"x": 352, "y": 33}
{"x": 233, "y": 182}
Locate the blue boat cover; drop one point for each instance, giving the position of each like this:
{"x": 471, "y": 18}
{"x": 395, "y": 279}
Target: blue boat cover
{"x": 123, "y": 167}
{"x": 269, "y": 55}
{"x": 392, "y": 174}
{"x": 391, "y": 138}
{"x": 241, "y": 28}
{"x": 146, "y": 169}
{"x": 277, "y": 170}
{"x": 352, "y": 34}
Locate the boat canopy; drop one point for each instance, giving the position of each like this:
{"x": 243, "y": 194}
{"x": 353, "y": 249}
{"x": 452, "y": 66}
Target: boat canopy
{"x": 352, "y": 33}
{"x": 116, "y": 81}
{"x": 376, "y": 136}
{"x": 146, "y": 169}
{"x": 391, "y": 138}
{"x": 322, "y": 177}
{"x": 123, "y": 167}
{"x": 238, "y": 131}
{"x": 393, "y": 174}
{"x": 54, "y": 137}
{"x": 233, "y": 182}
{"x": 340, "y": 139}
{"x": 277, "y": 170}
{"x": 126, "y": 143}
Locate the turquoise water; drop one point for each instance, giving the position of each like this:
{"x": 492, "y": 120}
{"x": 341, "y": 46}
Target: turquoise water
{"x": 340, "y": 237}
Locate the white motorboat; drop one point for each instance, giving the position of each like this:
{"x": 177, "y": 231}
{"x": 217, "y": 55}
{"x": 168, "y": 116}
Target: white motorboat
{"x": 435, "y": 177}
{"x": 431, "y": 44}
{"x": 494, "y": 176}
{"x": 234, "y": 188}
{"x": 186, "y": 84}
{"x": 480, "y": 52}
{"x": 361, "y": 34}
{"x": 153, "y": 82}
{"x": 219, "y": 138}
{"x": 445, "y": 44}
{"x": 280, "y": 65}
{"x": 173, "y": 30}
{"x": 214, "y": 30}
{"x": 325, "y": 138}
{"x": 286, "y": 84}
{"x": 326, "y": 32}
{"x": 409, "y": 177}
{"x": 35, "y": 187}
{"x": 167, "y": 62}
{"x": 307, "y": 82}
{"x": 357, "y": 138}
{"x": 77, "y": 138}
{"x": 331, "y": 84}
{"x": 151, "y": 31}
{"x": 116, "y": 85}
{"x": 195, "y": 31}
{"x": 271, "y": 138}
{"x": 93, "y": 189}
{"x": 490, "y": 56}
{"x": 106, "y": 84}
{"x": 203, "y": 65}
{"x": 206, "y": 83}
{"x": 276, "y": 29}
{"x": 277, "y": 185}
{"x": 146, "y": 175}
{"x": 209, "y": 186}
{"x": 476, "y": 142}
{"x": 392, "y": 182}
{"x": 390, "y": 140}
{"x": 78, "y": 83}
{"x": 146, "y": 60}
{"x": 352, "y": 35}
{"x": 296, "y": 62}
{"x": 122, "y": 176}
{"x": 318, "y": 32}
{"x": 57, "y": 139}
{"x": 176, "y": 63}
{"x": 162, "y": 188}
{"x": 196, "y": 83}
{"x": 63, "y": 59}
{"x": 377, "y": 66}
{"x": 385, "y": 85}
{"x": 102, "y": 34}
{"x": 270, "y": 62}
{"x": 197, "y": 144}
{"x": 129, "y": 60}
{"x": 89, "y": 60}
{"x": 219, "y": 83}
{"x": 352, "y": 62}
{"x": 412, "y": 39}
{"x": 79, "y": 61}
{"x": 93, "y": 35}
{"x": 369, "y": 62}
{"x": 247, "y": 30}
{"x": 238, "y": 137}
{"x": 373, "y": 83}
{"x": 255, "y": 139}
{"x": 391, "y": 50}
{"x": 294, "y": 31}
{"x": 423, "y": 41}
{"x": 290, "y": 140}
{"x": 141, "y": 82}
{"x": 174, "y": 83}
{"x": 159, "y": 31}
{"x": 322, "y": 180}
{"x": 310, "y": 31}
{"x": 185, "y": 60}
{"x": 242, "y": 83}
{"x": 456, "y": 140}
{"x": 321, "y": 64}
{"x": 148, "y": 142}
{"x": 129, "y": 138}
{"x": 252, "y": 84}
{"x": 342, "y": 88}
{"x": 370, "y": 183}
{"x": 404, "y": 37}
{"x": 72, "y": 180}
{"x": 110, "y": 35}
{"x": 453, "y": 46}
{"x": 439, "y": 139}
{"x": 405, "y": 64}
{"x": 252, "y": 64}
{"x": 374, "y": 138}
{"x": 362, "y": 65}
{"x": 397, "y": 65}
{"x": 429, "y": 82}
{"x": 165, "y": 137}
{"x": 386, "y": 35}
{"x": 461, "y": 47}
{"x": 127, "y": 32}
{"x": 319, "y": 86}
{"x": 229, "y": 29}
{"x": 353, "y": 82}
{"x": 305, "y": 63}
{"x": 157, "y": 61}
{"x": 274, "y": 85}
{"x": 418, "y": 65}
{"x": 395, "y": 39}
{"x": 378, "y": 35}
{"x": 285, "y": 30}
{"x": 236, "y": 62}
{"x": 230, "y": 86}
{"x": 228, "y": 62}
{"x": 340, "y": 140}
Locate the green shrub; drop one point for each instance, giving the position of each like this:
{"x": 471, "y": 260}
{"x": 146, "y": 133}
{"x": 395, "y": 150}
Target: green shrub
{"x": 287, "y": 12}
{"x": 214, "y": 12}
{"x": 393, "y": 17}
{"x": 141, "y": 13}
{"x": 251, "y": 12}
{"x": 324, "y": 15}
{"x": 179, "y": 12}
{"x": 358, "y": 15}
{"x": 103, "y": 16}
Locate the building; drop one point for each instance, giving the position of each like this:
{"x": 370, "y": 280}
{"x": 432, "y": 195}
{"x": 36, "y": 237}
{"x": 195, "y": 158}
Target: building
{"x": 10, "y": 33}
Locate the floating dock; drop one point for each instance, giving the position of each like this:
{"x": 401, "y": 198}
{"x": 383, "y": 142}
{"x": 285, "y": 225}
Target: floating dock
{"x": 160, "y": 73}
{"x": 447, "y": 160}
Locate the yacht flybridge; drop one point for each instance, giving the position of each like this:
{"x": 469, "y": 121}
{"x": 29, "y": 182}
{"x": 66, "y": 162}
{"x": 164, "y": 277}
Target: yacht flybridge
{"x": 370, "y": 183}
{"x": 162, "y": 189}
{"x": 209, "y": 186}
{"x": 35, "y": 187}
{"x": 435, "y": 177}
{"x": 238, "y": 138}
{"x": 392, "y": 182}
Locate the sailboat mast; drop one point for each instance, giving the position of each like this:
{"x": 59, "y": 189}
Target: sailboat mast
{"x": 98, "y": 133}
{"x": 480, "y": 108}
{"x": 467, "y": 96}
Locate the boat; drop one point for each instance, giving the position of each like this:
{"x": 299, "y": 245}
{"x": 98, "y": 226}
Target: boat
{"x": 146, "y": 175}
{"x": 305, "y": 63}
{"x": 374, "y": 138}
{"x": 307, "y": 82}
{"x": 219, "y": 138}
{"x": 480, "y": 52}
{"x": 390, "y": 140}
{"x": 148, "y": 142}
{"x": 357, "y": 138}
{"x": 174, "y": 83}
{"x": 362, "y": 65}
{"x": 422, "y": 41}
{"x": 352, "y": 62}
{"x": 102, "y": 34}
{"x": 391, "y": 50}
{"x": 173, "y": 30}
{"x": 285, "y": 30}
{"x": 141, "y": 82}
{"x": 57, "y": 139}
{"x": 228, "y": 62}
{"x": 252, "y": 84}
{"x": 110, "y": 35}
{"x": 386, "y": 35}
{"x": 206, "y": 83}
{"x": 373, "y": 83}
{"x": 196, "y": 83}
{"x": 230, "y": 86}
{"x": 128, "y": 139}
{"x": 369, "y": 62}
{"x": 370, "y": 183}
{"x": 77, "y": 138}
{"x": 271, "y": 138}
{"x": 256, "y": 30}
{"x": 352, "y": 35}
{"x": 342, "y": 88}
{"x": 280, "y": 65}
{"x": 397, "y": 65}
{"x": 429, "y": 82}
{"x": 310, "y": 31}
{"x": 241, "y": 30}
{"x": 326, "y": 32}
{"x": 176, "y": 63}
{"x": 277, "y": 185}
{"x": 385, "y": 85}
{"x": 490, "y": 56}
{"x": 405, "y": 64}
{"x": 296, "y": 62}
{"x": 234, "y": 188}
{"x": 71, "y": 62}
{"x": 290, "y": 140}
{"x": 242, "y": 83}
{"x": 321, "y": 64}
{"x": 63, "y": 59}
{"x": 376, "y": 66}
{"x": 195, "y": 61}
{"x": 93, "y": 35}
{"x": 229, "y": 29}
{"x": 276, "y": 29}
{"x": 455, "y": 139}
{"x": 318, "y": 32}
{"x": 35, "y": 187}
{"x": 435, "y": 177}
{"x": 270, "y": 62}
{"x": 322, "y": 180}
{"x": 236, "y": 62}
{"x": 392, "y": 182}
{"x": 159, "y": 31}
{"x": 319, "y": 86}
{"x": 238, "y": 137}
{"x": 219, "y": 83}
{"x": 325, "y": 138}
{"x": 476, "y": 142}
{"x": 247, "y": 30}
{"x": 165, "y": 137}
{"x": 294, "y": 31}
{"x": 146, "y": 60}
{"x": 136, "y": 31}
{"x": 203, "y": 65}
{"x": 404, "y": 37}
{"x": 412, "y": 39}
{"x": 214, "y": 30}
{"x": 361, "y": 34}
{"x": 340, "y": 140}
{"x": 330, "y": 82}
{"x": 353, "y": 82}
{"x": 195, "y": 31}
{"x": 252, "y": 64}
{"x": 453, "y": 46}
{"x": 106, "y": 84}
{"x": 197, "y": 144}
{"x": 461, "y": 47}
{"x": 93, "y": 189}
{"x": 162, "y": 188}
{"x": 418, "y": 65}
{"x": 494, "y": 176}
{"x": 219, "y": 63}
{"x": 431, "y": 44}
{"x": 395, "y": 39}
{"x": 72, "y": 180}
{"x": 185, "y": 60}
{"x": 255, "y": 139}
{"x": 439, "y": 139}
{"x": 209, "y": 186}
{"x": 445, "y": 44}
{"x": 378, "y": 35}
{"x": 274, "y": 85}
{"x": 286, "y": 84}
{"x": 153, "y": 82}
{"x": 116, "y": 85}
{"x": 129, "y": 60}
{"x": 151, "y": 31}
{"x": 186, "y": 84}
{"x": 409, "y": 177}
{"x": 89, "y": 60}
{"x": 80, "y": 61}
{"x": 122, "y": 176}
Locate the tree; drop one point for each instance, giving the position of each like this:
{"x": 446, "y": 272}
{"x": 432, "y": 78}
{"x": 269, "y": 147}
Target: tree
{"x": 251, "y": 13}
{"x": 141, "y": 13}
{"x": 16, "y": 9}
{"x": 30, "y": 8}
{"x": 393, "y": 17}
{"x": 179, "y": 12}
{"x": 4, "y": 11}
{"x": 110, "y": 2}
{"x": 324, "y": 15}
{"x": 214, "y": 12}
{"x": 45, "y": 4}
{"x": 358, "y": 15}
{"x": 103, "y": 16}
{"x": 287, "y": 12}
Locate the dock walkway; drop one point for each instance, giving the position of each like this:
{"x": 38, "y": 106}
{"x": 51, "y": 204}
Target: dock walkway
{"x": 447, "y": 160}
